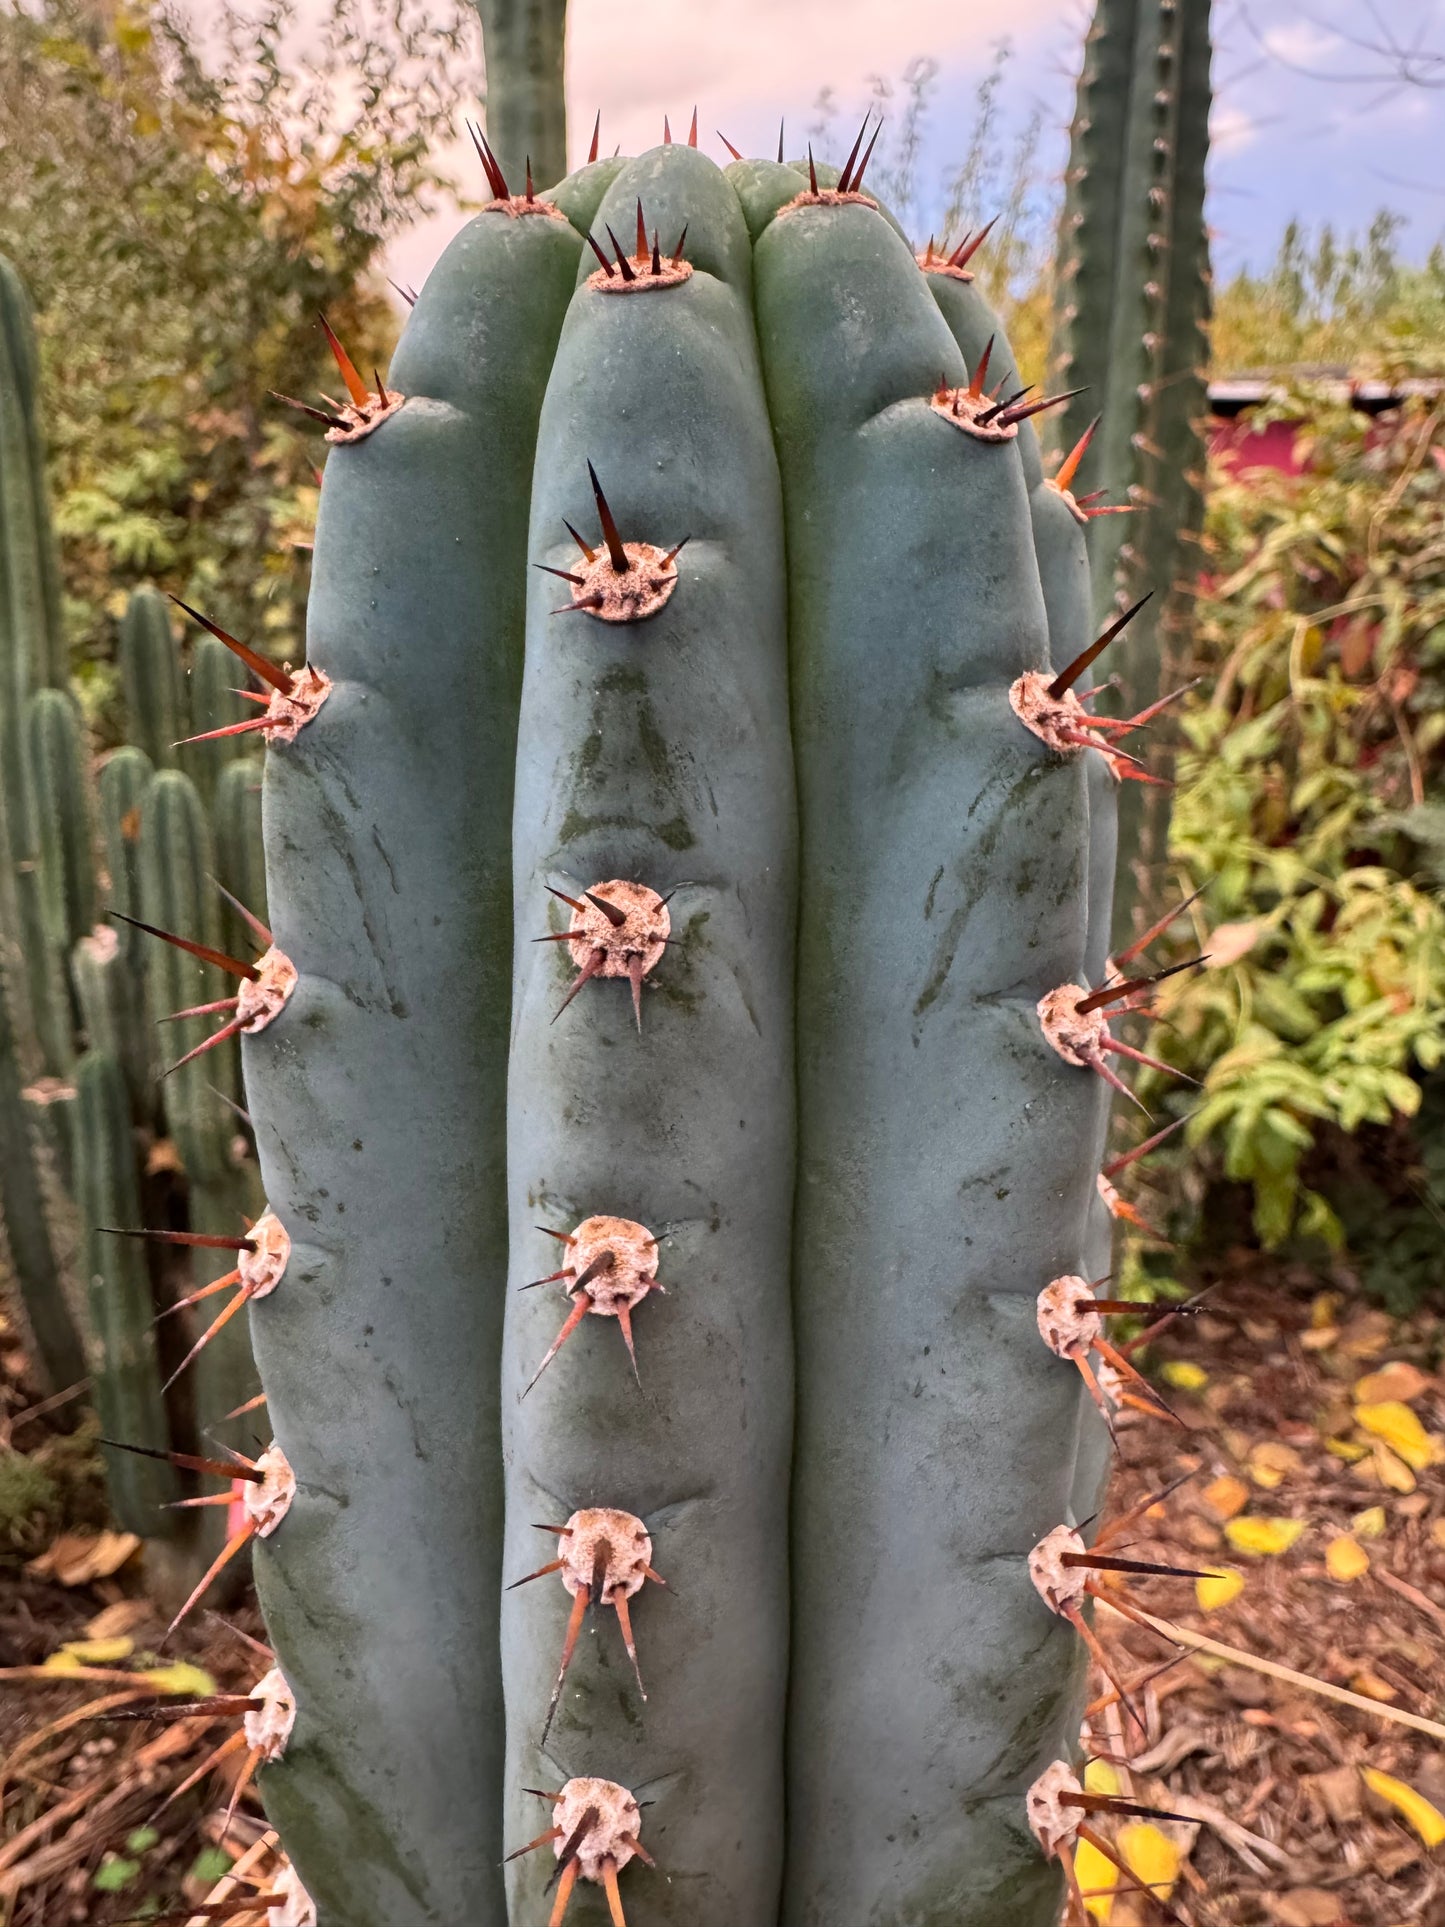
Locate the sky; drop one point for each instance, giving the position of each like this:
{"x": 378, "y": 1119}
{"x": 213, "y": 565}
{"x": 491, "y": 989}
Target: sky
{"x": 1308, "y": 121}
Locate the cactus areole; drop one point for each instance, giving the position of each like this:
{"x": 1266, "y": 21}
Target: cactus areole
{"x": 678, "y": 944}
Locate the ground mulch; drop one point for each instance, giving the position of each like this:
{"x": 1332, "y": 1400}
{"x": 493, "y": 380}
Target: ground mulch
{"x": 1267, "y": 1384}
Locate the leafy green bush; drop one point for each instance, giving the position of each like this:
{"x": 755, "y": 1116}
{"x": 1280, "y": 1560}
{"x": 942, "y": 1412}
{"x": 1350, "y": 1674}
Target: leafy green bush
{"x": 1308, "y": 802}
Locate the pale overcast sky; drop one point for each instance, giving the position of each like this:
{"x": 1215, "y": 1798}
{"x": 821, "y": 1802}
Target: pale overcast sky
{"x": 1308, "y": 121}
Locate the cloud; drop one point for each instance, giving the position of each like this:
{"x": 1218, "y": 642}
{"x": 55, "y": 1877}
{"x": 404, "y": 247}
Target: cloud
{"x": 1231, "y": 129}
{"x": 748, "y": 62}
{"x": 1301, "y": 42}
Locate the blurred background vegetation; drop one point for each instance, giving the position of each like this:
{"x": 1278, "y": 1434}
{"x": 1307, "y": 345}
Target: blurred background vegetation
{"x": 181, "y": 215}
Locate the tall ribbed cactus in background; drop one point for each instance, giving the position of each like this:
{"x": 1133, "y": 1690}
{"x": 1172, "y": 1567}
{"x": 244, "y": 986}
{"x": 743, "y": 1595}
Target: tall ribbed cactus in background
{"x": 1132, "y": 314}
{"x": 689, "y": 847}
{"x": 81, "y": 1109}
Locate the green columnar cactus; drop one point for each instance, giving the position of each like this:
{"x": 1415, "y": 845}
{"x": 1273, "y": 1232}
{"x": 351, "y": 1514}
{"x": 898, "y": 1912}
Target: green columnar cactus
{"x": 122, "y": 1311}
{"x": 240, "y": 858}
{"x": 59, "y": 767}
{"x": 1132, "y": 313}
{"x": 29, "y": 1243}
{"x": 151, "y": 678}
{"x": 31, "y": 657}
{"x": 524, "y": 42}
{"x": 213, "y": 704}
{"x": 125, "y": 777}
{"x": 799, "y": 666}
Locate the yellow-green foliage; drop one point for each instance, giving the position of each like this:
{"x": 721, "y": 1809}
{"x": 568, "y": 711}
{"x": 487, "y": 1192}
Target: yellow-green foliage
{"x": 1308, "y": 801}
{"x": 180, "y": 206}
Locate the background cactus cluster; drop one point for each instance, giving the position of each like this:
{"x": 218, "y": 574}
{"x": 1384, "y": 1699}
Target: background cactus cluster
{"x": 90, "y": 1135}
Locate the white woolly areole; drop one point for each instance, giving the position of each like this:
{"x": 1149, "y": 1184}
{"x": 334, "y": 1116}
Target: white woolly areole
{"x": 642, "y": 932}
{"x": 617, "y": 1814}
{"x": 825, "y": 197}
{"x": 268, "y": 1726}
{"x": 1107, "y": 1192}
{"x": 628, "y": 1552}
{"x": 269, "y": 1499}
{"x": 1077, "y": 1036}
{"x": 1068, "y": 1323}
{"x": 631, "y": 597}
{"x": 289, "y": 710}
{"x": 519, "y": 206}
{"x": 262, "y": 997}
{"x": 626, "y": 1256}
{"x": 670, "y": 274}
{"x": 1066, "y": 496}
{"x": 360, "y": 421}
{"x": 1049, "y": 716}
{"x": 1052, "y": 1823}
{"x": 297, "y": 1908}
{"x": 963, "y": 409}
{"x": 102, "y": 943}
{"x": 1057, "y": 1585}
{"x": 261, "y": 1268}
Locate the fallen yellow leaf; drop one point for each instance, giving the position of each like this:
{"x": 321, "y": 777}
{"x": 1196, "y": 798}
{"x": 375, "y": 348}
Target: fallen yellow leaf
{"x": 75, "y": 1558}
{"x": 66, "y": 1664}
{"x": 1226, "y": 1497}
{"x": 1369, "y": 1524}
{"x": 1323, "y": 1308}
{"x": 99, "y": 1652}
{"x": 1427, "y": 1821}
{"x": 182, "y": 1677}
{"x": 1101, "y": 1777}
{"x": 1151, "y": 1855}
{"x": 1350, "y": 1450}
{"x": 1392, "y": 1421}
{"x": 122, "y": 1617}
{"x": 1346, "y": 1559}
{"x": 1390, "y": 1470}
{"x": 1218, "y": 1589}
{"x": 1184, "y": 1376}
{"x": 1398, "y": 1381}
{"x": 1094, "y": 1872}
{"x": 1263, "y": 1537}
{"x": 1270, "y": 1461}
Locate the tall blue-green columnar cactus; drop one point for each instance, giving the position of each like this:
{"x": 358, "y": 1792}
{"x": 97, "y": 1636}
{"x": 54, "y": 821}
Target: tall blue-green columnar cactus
{"x": 679, "y": 1043}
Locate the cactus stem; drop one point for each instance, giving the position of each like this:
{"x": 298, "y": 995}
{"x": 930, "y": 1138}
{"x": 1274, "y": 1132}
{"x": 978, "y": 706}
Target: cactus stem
{"x": 596, "y": 136}
{"x": 728, "y": 145}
